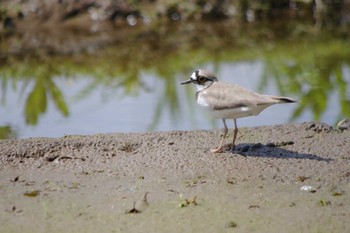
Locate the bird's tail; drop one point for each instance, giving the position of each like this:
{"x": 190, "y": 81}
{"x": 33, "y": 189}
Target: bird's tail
{"x": 281, "y": 99}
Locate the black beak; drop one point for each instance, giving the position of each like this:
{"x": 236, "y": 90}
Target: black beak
{"x": 187, "y": 82}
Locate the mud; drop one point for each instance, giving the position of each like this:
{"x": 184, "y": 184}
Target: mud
{"x": 283, "y": 178}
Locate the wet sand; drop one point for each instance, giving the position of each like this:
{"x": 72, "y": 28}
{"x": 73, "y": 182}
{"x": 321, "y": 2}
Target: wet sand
{"x": 98, "y": 183}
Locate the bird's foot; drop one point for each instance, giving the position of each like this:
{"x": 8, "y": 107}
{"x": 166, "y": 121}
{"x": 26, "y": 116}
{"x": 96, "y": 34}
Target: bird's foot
{"x": 217, "y": 150}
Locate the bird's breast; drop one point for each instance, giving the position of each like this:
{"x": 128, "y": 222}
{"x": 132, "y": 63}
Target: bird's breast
{"x": 201, "y": 101}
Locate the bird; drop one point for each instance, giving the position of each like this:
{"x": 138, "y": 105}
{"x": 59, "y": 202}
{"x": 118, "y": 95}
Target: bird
{"x": 229, "y": 101}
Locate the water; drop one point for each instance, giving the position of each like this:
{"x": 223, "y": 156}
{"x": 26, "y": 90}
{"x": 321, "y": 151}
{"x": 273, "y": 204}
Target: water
{"x": 135, "y": 86}
{"x": 107, "y": 110}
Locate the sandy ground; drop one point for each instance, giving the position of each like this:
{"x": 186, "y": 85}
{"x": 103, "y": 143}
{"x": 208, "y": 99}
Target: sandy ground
{"x": 170, "y": 182}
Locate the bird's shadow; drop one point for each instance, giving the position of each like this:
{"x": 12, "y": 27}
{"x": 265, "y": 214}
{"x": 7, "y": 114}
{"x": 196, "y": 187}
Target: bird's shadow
{"x": 273, "y": 150}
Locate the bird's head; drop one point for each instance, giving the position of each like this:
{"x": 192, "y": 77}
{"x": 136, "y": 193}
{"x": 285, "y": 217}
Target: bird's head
{"x": 201, "y": 79}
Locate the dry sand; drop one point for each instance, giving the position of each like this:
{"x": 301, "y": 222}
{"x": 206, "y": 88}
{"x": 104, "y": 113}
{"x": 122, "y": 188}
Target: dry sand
{"x": 98, "y": 183}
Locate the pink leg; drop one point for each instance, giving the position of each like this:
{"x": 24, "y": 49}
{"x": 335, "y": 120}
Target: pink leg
{"x": 220, "y": 149}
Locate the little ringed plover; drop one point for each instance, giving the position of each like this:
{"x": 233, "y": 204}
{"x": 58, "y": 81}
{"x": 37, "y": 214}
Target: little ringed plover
{"x": 229, "y": 101}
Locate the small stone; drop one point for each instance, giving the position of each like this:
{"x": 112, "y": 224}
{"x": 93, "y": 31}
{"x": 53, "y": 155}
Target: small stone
{"x": 344, "y": 124}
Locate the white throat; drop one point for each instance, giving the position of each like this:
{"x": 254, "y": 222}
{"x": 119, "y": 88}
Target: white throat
{"x": 200, "y": 87}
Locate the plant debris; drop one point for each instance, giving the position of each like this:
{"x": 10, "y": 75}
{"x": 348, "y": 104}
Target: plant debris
{"x": 187, "y": 202}
{"x": 34, "y": 193}
{"x": 231, "y": 224}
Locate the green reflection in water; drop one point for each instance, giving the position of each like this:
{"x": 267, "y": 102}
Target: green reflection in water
{"x": 313, "y": 71}
{"x": 38, "y": 77}
{"x": 7, "y": 132}
{"x": 303, "y": 62}
{"x": 36, "y": 102}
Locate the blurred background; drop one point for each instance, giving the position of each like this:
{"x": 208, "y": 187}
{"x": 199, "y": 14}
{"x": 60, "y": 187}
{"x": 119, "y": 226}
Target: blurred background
{"x": 111, "y": 66}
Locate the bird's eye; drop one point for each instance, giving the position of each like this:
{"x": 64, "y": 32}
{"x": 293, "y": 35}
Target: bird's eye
{"x": 201, "y": 79}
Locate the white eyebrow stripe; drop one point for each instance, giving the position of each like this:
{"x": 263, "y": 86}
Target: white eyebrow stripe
{"x": 193, "y": 76}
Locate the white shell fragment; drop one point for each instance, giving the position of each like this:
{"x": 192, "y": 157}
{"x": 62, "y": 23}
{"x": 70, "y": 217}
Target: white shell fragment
{"x": 306, "y": 188}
